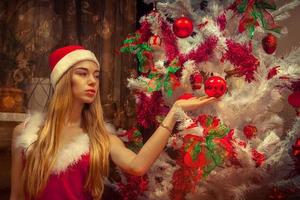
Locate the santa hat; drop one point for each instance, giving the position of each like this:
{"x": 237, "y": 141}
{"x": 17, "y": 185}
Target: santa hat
{"x": 64, "y": 58}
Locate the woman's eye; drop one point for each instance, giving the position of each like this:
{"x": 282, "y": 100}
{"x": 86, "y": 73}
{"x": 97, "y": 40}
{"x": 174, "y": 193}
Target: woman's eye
{"x": 82, "y": 73}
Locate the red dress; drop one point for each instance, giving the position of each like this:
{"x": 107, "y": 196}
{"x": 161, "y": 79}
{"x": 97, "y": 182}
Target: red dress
{"x": 71, "y": 168}
{"x": 68, "y": 185}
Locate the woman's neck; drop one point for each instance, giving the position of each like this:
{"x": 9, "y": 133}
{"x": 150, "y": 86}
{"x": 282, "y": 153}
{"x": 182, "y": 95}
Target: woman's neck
{"x": 74, "y": 118}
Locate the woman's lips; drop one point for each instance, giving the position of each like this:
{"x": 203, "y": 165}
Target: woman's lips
{"x": 90, "y": 92}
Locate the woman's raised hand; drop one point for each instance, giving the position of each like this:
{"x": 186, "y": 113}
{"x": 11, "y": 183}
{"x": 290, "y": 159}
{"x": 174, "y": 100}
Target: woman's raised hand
{"x": 193, "y": 103}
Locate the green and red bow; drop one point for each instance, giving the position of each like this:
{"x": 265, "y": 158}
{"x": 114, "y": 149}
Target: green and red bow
{"x": 254, "y": 13}
{"x": 169, "y": 81}
{"x": 133, "y": 44}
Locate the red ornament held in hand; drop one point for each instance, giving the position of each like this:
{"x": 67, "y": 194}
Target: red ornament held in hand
{"x": 215, "y": 86}
{"x": 183, "y": 27}
{"x": 269, "y": 43}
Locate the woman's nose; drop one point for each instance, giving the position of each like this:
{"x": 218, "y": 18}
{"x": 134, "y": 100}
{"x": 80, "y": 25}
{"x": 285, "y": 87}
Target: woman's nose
{"x": 92, "y": 79}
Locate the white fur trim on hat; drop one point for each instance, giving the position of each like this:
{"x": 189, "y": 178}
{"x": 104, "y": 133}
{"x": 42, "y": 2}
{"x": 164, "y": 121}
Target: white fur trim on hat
{"x": 68, "y": 61}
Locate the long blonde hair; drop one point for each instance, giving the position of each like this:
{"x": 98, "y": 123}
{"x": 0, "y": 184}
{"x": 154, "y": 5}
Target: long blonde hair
{"x": 41, "y": 157}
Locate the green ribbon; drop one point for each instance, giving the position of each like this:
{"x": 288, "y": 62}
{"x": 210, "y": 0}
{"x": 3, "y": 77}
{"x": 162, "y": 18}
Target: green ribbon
{"x": 196, "y": 151}
{"x": 242, "y": 6}
{"x": 258, "y": 10}
{"x": 159, "y": 81}
{"x": 133, "y": 46}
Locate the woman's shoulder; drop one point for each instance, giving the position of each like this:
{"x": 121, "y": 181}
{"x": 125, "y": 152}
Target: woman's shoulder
{"x": 17, "y": 132}
{"x": 25, "y": 133}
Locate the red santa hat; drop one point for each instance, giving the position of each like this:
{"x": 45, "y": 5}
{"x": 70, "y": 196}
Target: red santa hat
{"x": 64, "y": 58}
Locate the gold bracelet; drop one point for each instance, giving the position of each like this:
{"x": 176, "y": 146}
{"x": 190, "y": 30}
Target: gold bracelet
{"x": 164, "y": 126}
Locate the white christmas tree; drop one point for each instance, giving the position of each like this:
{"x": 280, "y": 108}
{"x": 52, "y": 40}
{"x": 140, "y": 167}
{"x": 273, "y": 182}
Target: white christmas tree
{"x": 237, "y": 147}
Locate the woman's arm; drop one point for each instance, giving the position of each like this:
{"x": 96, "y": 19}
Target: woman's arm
{"x": 138, "y": 164}
{"x": 16, "y": 167}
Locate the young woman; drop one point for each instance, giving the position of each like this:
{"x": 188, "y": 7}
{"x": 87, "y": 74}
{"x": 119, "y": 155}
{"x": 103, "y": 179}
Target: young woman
{"x": 65, "y": 153}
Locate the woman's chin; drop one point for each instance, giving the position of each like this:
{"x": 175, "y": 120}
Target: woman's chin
{"x": 88, "y": 100}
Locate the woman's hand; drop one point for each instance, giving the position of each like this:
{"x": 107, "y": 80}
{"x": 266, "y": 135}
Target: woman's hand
{"x": 193, "y": 103}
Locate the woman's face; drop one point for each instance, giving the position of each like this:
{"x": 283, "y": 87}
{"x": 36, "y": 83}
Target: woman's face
{"x": 85, "y": 81}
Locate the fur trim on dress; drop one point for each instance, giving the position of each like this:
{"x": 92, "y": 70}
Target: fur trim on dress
{"x": 69, "y": 155}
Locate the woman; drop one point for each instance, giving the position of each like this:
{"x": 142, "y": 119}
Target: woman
{"x": 66, "y": 155}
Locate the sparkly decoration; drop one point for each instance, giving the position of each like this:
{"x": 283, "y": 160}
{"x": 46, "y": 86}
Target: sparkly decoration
{"x": 240, "y": 55}
{"x": 215, "y": 86}
{"x": 269, "y": 43}
{"x": 183, "y": 27}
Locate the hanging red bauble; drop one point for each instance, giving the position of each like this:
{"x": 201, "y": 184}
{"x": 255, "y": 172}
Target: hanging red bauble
{"x": 250, "y": 131}
{"x": 296, "y": 148}
{"x": 269, "y": 43}
{"x": 183, "y": 27}
{"x": 215, "y": 86}
{"x": 196, "y": 81}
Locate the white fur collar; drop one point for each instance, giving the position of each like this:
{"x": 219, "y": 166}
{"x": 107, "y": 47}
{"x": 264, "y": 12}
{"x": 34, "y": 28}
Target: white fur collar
{"x": 68, "y": 155}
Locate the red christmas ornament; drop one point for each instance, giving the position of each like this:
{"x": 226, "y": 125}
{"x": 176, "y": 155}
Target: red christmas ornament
{"x": 250, "y": 131}
{"x": 183, "y": 27}
{"x": 196, "y": 81}
{"x": 269, "y": 43}
{"x": 215, "y": 86}
{"x": 296, "y": 148}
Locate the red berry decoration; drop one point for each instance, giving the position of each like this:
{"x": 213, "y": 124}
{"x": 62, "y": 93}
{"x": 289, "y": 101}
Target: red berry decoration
{"x": 215, "y": 86}
{"x": 250, "y": 131}
{"x": 183, "y": 27}
{"x": 196, "y": 81}
{"x": 269, "y": 43}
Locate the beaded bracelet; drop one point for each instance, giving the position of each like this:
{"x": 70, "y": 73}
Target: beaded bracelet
{"x": 164, "y": 126}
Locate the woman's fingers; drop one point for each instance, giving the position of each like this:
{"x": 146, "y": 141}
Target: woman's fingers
{"x": 206, "y": 100}
{"x": 202, "y": 97}
{"x": 194, "y": 103}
